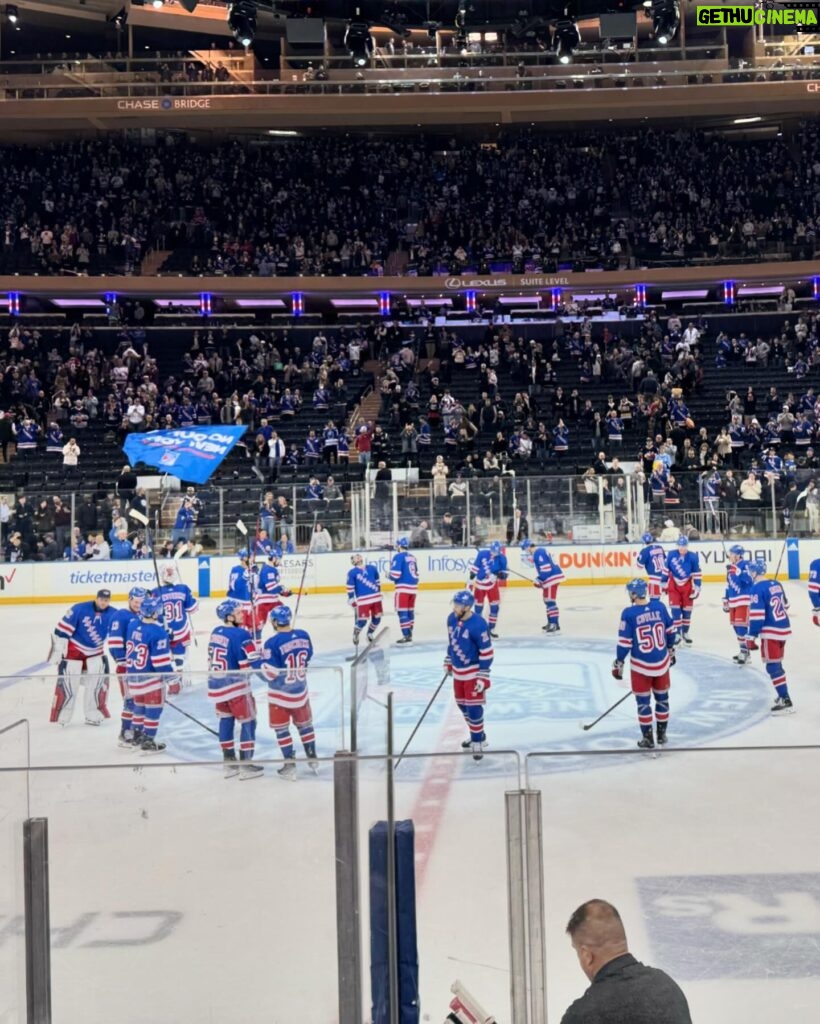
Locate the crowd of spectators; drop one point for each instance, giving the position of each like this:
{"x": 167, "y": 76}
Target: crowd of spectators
{"x": 341, "y": 204}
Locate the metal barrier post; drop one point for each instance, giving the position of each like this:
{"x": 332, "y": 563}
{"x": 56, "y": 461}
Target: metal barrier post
{"x": 38, "y": 928}
{"x": 348, "y": 923}
{"x": 516, "y": 901}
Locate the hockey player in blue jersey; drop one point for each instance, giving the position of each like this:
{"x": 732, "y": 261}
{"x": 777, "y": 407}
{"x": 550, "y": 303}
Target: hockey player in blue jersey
{"x": 548, "y": 577}
{"x": 149, "y": 669}
{"x": 683, "y": 579}
{"x": 469, "y": 660}
{"x": 178, "y": 605}
{"x": 364, "y": 595}
{"x": 78, "y": 650}
{"x": 484, "y": 586}
{"x": 814, "y": 590}
{"x": 652, "y": 559}
{"x": 647, "y": 636}
{"x": 285, "y": 659}
{"x": 231, "y": 653}
{"x": 118, "y": 648}
{"x": 769, "y": 619}
{"x": 240, "y": 586}
{"x": 736, "y": 600}
{"x": 500, "y": 566}
{"x": 404, "y": 572}
{"x": 270, "y": 590}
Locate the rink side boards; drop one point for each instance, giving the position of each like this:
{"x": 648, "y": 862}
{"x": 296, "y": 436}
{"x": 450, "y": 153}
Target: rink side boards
{"x": 439, "y": 569}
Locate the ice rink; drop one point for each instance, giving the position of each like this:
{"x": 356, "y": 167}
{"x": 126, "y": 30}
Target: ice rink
{"x": 177, "y": 895}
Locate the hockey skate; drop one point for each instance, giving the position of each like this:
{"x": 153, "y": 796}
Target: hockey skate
{"x": 405, "y": 640}
{"x": 356, "y": 637}
{"x": 313, "y": 764}
{"x": 287, "y": 771}
{"x": 230, "y": 769}
{"x": 150, "y": 746}
{"x": 371, "y": 636}
{"x": 249, "y": 770}
{"x": 647, "y": 741}
{"x": 662, "y": 740}
{"x": 126, "y": 739}
{"x": 551, "y": 627}
{"x": 741, "y": 658}
{"x": 783, "y": 706}
{"x": 468, "y": 743}
{"x": 686, "y": 639}
{"x": 493, "y": 634}
{"x": 93, "y": 721}
{"x": 478, "y": 751}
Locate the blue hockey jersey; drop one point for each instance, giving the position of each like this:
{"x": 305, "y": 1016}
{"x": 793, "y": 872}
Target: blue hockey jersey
{"x": 500, "y": 566}
{"x": 481, "y": 571}
{"x": 149, "y": 657}
{"x": 683, "y": 567}
{"x": 768, "y": 612}
{"x": 404, "y": 572}
{"x": 363, "y": 586}
{"x": 647, "y": 634}
{"x": 239, "y": 586}
{"x": 738, "y": 585}
{"x": 547, "y": 571}
{"x": 86, "y": 627}
{"x": 652, "y": 559}
{"x": 231, "y": 652}
{"x": 178, "y": 603}
{"x": 469, "y": 648}
{"x": 118, "y": 634}
{"x": 285, "y": 660}
{"x": 270, "y": 583}
{"x": 814, "y": 583}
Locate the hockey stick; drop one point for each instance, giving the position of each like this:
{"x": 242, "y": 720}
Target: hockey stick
{"x": 183, "y": 550}
{"x": 792, "y": 523}
{"x": 251, "y": 562}
{"x": 608, "y": 710}
{"x": 423, "y": 716}
{"x": 143, "y": 519}
{"x": 202, "y": 725}
{"x": 304, "y": 567}
{"x": 520, "y": 575}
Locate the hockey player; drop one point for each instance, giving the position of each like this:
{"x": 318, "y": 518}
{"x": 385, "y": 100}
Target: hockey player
{"x": 736, "y": 599}
{"x": 178, "y": 604}
{"x": 683, "y": 578}
{"x": 468, "y": 660}
{"x": 285, "y": 659}
{"x": 270, "y": 591}
{"x": 364, "y": 594}
{"x": 548, "y": 577}
{"x": 769, "y": 619}
{"x": 231, "y": 652}
{"x": 652, "y": 559}
{"x": 149, "y": 668}
{"x": 404, "y": 572}
{"x": 239, "y": 586}
{"x": 647, "y": 635}
{"x": 118, "y": 647}
{"x": 814, "y": 590}
{"x": 484, "y": 586}
{"x": 77, "y": 649}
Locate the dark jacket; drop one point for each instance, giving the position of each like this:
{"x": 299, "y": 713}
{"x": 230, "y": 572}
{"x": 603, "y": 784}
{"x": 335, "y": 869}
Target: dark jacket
{"x": 624, "y": 991}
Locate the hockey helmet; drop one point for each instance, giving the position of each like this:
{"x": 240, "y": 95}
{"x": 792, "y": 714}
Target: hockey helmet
{"x": 403, "y": 543}
{"x": 281, "y": 616}
{"x": 356, "y": 559}
{"x": 525, "y": 544}
{"x": 757, "y": 567}
{"x": 227, "y": 608}
{"x": 243, "y": 553}
{"x": 463, "y": 598}
{"x": 275, "y": 554}
{"x": 495, "y": 547}
{"x": 682, "y": 542}
{"x": 647, "y": 538}
{"x": 137, "y": 593}
{"x": 151, "y": 607}
{"x": 637, "y": 588}
{"x": 168, "y": 574}
{"x": 736, "y": 549}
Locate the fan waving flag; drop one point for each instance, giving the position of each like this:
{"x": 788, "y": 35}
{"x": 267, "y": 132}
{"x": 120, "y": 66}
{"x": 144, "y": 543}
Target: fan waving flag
{"x": 193, "y": 454}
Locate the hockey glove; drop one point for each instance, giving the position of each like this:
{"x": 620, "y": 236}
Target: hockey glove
{"x": 695, "y": 593}
{"x": 617, "y": 669}
{"x": 448, "y": 668}
{"x": 725, "y": 605}
{"x": 816, "y": 617}
{"x": 538, "y": 583}
{"x": 287, "y": 593}
{"x": 672, "y": 656}
{"x": 481, "y": 684}
{"x": 59, "y": 649}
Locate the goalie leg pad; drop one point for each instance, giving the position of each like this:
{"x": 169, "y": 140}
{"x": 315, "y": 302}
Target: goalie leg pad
{"x": 95, "y": 683}
{"x": 62, "y": 705}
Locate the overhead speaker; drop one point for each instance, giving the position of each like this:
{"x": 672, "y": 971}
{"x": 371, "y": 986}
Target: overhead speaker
{"x": 189, "y": 5}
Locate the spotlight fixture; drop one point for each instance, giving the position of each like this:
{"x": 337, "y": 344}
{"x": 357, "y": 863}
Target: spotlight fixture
{"x": 358, "y": 41}
{"x": 460, "y": 25}
{"x": 567, "y": 38}
{"x": 12, "y": 13}
{"x": 242, "y": 21}
{"x": 665, "y": 20}
{"x": 120, "y": 18}
{"x": 157, "y": 3}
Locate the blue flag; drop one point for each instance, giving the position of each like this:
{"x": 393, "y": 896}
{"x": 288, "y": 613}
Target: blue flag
{"x": 191, "y": 454}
